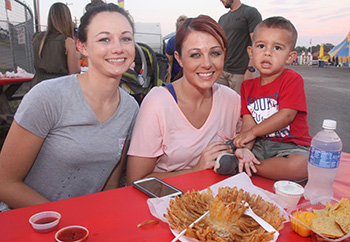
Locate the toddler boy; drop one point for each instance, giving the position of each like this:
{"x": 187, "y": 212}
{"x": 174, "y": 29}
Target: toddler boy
{"x": 274, "y": 140}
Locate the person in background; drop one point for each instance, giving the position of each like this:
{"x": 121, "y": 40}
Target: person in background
{"x": 54, "y": 50}
{"x": 337, "y": 61}
{"x": 174, "y": 66}
{"x": 274, "y": 141}
{"x": 238, "y": 24}
{"x": 70, "y": 135}
{"x": 203, "y": 114}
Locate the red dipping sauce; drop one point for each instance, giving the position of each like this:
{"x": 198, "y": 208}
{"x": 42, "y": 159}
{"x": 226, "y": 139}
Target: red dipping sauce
{"x": 45, "y": 220}
{"x": 72, "y": 234}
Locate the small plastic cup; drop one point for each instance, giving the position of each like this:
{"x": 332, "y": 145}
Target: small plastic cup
{"x": 74, "y": 233}
{"x": 45, "y": 222}
{"x": 289, "y": 191}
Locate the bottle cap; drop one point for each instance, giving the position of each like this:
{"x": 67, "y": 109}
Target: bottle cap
{"x": 329, "y": 124}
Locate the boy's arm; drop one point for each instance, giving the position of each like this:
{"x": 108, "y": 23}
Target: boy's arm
{"x": 248, "y": 123}
{"x": 247, "y": 160}
{"x": 275, "y": 122}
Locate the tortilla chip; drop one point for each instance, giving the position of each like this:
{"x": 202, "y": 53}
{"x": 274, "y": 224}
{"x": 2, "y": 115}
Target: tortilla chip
{"x": 345, "y": 202}
{"x": 327, "y": 227}
{"x": 343, "y": 208}
{"x": 344, "y": 222}
{"x": 340, "y": 212}
{"x": 333, "y": 208}
{"x": 321, "y": 212}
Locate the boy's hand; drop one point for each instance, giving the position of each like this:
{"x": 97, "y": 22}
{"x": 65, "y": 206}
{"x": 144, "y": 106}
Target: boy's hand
{"x": 243, "y": 138}
{"x": 247, "y": 161}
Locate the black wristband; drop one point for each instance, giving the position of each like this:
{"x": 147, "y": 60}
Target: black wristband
{"x": 251, "y": 68}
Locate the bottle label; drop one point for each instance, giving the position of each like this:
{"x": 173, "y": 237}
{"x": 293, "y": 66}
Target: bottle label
{"x": 324, "y": 159}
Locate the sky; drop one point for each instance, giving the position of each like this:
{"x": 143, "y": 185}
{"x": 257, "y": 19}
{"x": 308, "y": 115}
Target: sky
{"x": 317, "y": 21}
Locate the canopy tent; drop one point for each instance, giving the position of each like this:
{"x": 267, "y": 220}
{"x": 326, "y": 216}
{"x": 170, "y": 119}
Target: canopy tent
{"x": 342, "y": 50}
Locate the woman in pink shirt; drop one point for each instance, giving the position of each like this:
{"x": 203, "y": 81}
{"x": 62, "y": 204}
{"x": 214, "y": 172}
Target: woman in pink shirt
{"x": 183, "y": 126}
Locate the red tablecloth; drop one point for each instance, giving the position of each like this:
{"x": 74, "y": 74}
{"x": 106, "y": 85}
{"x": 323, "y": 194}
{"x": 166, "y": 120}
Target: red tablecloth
{"x": 114, "y": 215}
{"x": 341, "y": 186}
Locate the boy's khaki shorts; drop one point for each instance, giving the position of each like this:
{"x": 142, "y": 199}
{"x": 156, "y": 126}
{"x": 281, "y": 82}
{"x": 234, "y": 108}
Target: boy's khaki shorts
{"x": 265, "y": 149}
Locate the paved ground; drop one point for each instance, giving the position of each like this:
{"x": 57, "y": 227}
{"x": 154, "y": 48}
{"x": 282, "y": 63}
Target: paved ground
{"x": 328, "y": 97}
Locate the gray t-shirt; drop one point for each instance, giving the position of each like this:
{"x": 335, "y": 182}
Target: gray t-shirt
{"x": 237, "y": 26}
{"x": 78, "y": 153}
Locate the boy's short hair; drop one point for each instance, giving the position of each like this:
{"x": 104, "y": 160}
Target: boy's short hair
{"x": 180, "y": 20}
{"x": 280, "y": 23}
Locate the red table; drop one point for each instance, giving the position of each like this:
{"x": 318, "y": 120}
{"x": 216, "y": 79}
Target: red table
{"x": 14, "y": 80}
{"x": 7, "y": 95}
{"x": 114, "y": 215}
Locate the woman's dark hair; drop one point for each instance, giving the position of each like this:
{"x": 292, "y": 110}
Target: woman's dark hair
{"x": 202, "y": 23}
{"x": 91, "y": 13}
{"x": 93, "y": 3}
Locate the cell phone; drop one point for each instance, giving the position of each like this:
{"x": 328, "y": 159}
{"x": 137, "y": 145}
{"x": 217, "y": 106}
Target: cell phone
{"x": 154, "y": 187}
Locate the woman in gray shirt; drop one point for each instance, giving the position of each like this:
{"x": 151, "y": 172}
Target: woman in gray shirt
{"x": 70, "y": 134}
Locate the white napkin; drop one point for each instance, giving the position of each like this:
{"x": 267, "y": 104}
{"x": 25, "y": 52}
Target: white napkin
{"x": 158, "y": 206}
{"x": 20, "y": 73}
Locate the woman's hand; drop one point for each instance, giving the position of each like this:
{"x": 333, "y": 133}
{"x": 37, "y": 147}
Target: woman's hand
{"x": 247, "y": 161}
{"x": 210, "y": 153}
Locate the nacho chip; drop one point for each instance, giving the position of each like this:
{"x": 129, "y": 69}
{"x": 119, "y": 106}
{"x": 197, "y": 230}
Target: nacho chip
{"x": 343, "y": 208}
{"x": 345, "y": 202}
{"x": 343, "y": 221}
{"x": 333, "y": 208}
{"x": 322, "y": 212}
{"x": 327, "y": 227}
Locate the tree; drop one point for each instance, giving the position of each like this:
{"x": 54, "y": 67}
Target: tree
{"x": 300, "y": 49}
{"x": 328, "y": 47}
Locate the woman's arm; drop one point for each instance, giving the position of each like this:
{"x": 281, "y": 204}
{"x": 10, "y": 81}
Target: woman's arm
{"x": 72, "y": 56}
{"x": 141, "y": 167}
{"x": 114, "y": 179}
{"x": 17, "y": 156}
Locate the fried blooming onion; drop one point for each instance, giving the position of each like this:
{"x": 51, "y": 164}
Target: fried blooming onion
{"x": 226, "y": 220}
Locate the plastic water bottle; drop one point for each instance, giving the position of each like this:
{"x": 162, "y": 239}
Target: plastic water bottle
{"x": 324, "y": 159}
